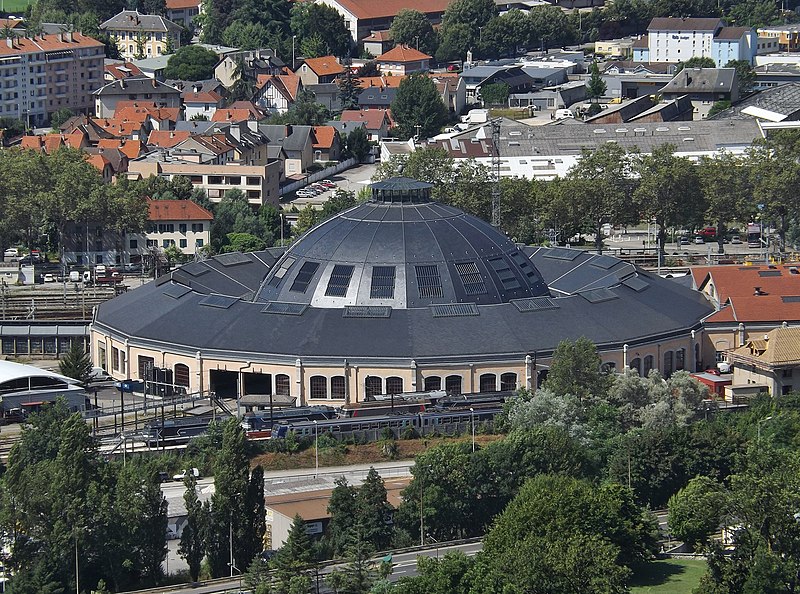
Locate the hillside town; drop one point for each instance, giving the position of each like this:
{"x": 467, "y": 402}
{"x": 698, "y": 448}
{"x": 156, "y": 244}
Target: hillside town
{"x": 432, "y": 296}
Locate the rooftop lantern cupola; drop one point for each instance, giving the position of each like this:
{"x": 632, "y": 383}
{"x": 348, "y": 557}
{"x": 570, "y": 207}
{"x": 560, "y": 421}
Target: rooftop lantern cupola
{"x": 401, "y": 190}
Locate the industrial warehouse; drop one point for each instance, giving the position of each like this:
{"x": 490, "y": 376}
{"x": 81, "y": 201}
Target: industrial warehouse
{"x": 398, "y": 294}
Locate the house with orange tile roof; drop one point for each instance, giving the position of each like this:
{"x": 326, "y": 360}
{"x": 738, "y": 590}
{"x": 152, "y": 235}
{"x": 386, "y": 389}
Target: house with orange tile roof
{"x": 153, "y": 118}
{"x": 130, "y": 148}
{"x": 314, "y": 71}
{"x": 403, "y": 60}
{"x": 183, "y": 12}
{"x": 769, "y": 363}
{"x": 121, "y": 70}
{"x": 122, "y": 129}
{"x": 197, "y": 102}
{"x": 58, "y": 71}
{"x": 327, "y": 143}
{"x": 276, "y": 93}
{"x": 749, "y": 302}
{"x": 180, "y": 223}
{"x": 361, "y": 17}
{"x": 142, "y": 89}
{"x": 103, "y": 165}
{"x": 167, "y": 138}
{"x": 377, "y": 122}
{"x": 378, "y": 42}
{"x": 50, "y": 143}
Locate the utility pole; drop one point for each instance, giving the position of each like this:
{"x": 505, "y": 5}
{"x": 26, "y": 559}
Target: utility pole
{"x": 495, "y": 123}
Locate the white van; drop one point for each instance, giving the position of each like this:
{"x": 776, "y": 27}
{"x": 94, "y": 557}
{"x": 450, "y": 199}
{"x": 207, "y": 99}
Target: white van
{"x": 75, "y": 276}
{"x": 562, "y": 114}
{"x": 100, "y": 270}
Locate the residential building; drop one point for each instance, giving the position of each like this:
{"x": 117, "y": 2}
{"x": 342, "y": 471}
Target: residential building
{"x": 314, "y": 71}
{"x": 403, "y": 60}
{"x": 550, "y": 98}
{"x": 298, "y": 144}
{"x": 134, "y": 89}
{"x": 142, "y": 35}
{"x": 376, "y": 122}
{"x": 118, "y": 70}
{"x": 327, "y": 94}
{"x": 680, "y": 39}
{"x": 50, "y": 143}
{"x": 704, "y": 87}
{"x": 180, "y": 223}
{"x": 166, "y": 138}
{"x": 197, "y": 102}
{"x": 361, "y": 17}
{"x": 453, "y": 91}
{"x": 787, "y": 36}
{"x": 153, "y": 67}
{"x": 376, "y": 97}
{"x": 183, "y": 12}
{"x": 327, "y": 144}
{"x": 776, "y": 104}
{"x": 255, "y": 63}
{"x": 378, "y": 42}
{"x": 276, "y": 93}
{"x": 770, "y": 363}
{"x": 39, "y": 76}
{"x": 260, "y": 183}
{"x": 616, "y": 49}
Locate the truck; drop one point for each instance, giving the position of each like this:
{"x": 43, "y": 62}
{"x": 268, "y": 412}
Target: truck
{"x": 476, "y": 116}
{"x": 754, "y": 235}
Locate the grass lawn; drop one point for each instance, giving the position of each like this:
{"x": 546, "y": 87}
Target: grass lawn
{"x": 16, "y": 7}
{"x": 669, "y": 576}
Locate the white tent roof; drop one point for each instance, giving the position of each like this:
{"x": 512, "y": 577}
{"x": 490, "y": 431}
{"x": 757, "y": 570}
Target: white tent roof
{"x": 11, "y": 371}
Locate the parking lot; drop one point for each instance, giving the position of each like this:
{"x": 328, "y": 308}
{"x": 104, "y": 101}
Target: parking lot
{"x": 351, "y": 180}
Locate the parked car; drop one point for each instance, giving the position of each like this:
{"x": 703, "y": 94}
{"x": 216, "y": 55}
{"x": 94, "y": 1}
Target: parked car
{"x": 328, "y": 183}
{"x": 186, "y": 472}
{"x": 683, "y": 241}
{"x": 98, "y": 374}
{"x": 49, "y": 278}
{"x": 736, "y": 240}
{"x": 11, "y": 254}
{"x": 699, "y": 239}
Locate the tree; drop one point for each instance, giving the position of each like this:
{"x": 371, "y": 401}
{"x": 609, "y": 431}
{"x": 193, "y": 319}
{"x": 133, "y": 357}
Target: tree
{"x": 244, "y": 242}
{"x": 418, "y": 108}
{"x": 374, "y": 512}
{"x": 495, "y": 94}
{"x": 549, "y": 27}
{"x": 744, "y": 74}
{"x": 294, "y": 558}
{"x": 576, "y": 370}
{"x": 596, "y": 87}
{"x": 307, "y": 218}
{"x": 233, "y": 215}
{"x": 304, "y": 112}
{"x": 718, "y": 107}
{"x": 60, "y": 116}
{"x": 726, "y": 184}
{"x": 192, "y": 545}
{"x": 191, "y": 62}
{"x": 357, "y": 143}
{"x": 668, "y": 191}
{"x": 603, "y": 185}
{"x": 414, "y": 29}
{"x": 246, "y": 35}
{"x": 324, "y": 23}
{"x": 696, "y": 510}
{"x": 76, "y": 363}
{"x": 450, "y": 574}
{"x": 696, "y": 62}
{"x": 349, "y": 89}
{"x": 341, "y": 504}
{"x": 461, "y": 27}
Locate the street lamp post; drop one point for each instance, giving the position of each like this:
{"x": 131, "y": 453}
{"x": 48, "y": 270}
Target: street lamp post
{"x": 316, "y": 450}
{"x": 758, "y": 429}
{"x": 293, "y": 63}
{"x": 472, "y": 422}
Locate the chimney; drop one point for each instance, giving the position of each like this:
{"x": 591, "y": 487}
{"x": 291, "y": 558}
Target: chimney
{"x": 68, "y": 35}
{"x": 10, "y": 41}
{"x": 741, "y": 334}
{"x": 758, "y": 291}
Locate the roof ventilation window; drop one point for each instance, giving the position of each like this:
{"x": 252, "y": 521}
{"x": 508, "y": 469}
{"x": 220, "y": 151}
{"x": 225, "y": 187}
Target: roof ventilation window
{"x": 534, "y": 304}
{"x": 382, "y": 282}
{"x": 177, "y": 291}
{"x": 504, "y": 273}
{"x": 281, "y": 272}
{"x": 524, "y": 264}
{"x": 286, "y": 308}
{"x": 232, "y": 259}
{"x": 429, "y": 283}
{"x": 307, "y": 270}
{"x": 598, "y": 295}
{"x": 367, "y": 311}
{"x": 218, "y": 301}
{"x": 339, "y": 281}
{"x": 454, "y": 310}
{"x": 471, "y": 278}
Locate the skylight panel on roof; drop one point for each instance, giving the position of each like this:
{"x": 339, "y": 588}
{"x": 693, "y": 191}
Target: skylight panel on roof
{"x": 281, "y": 272}
{"x": 769, "y": 273}
{"x": 524, "y": 264}
{"x": 604, "y": 262}
{"x": 303, "y": 278}
{"x": 598, "y": 295}
{"x": 382, "y": 286}
{"x": 177, "y": 291}
{"x": 286, "y": 308}
{"x": 454, "y": 310}
{"x": 195, "y": 270}
{"x": 561, "y": 253}
{"x": 504, "y": 273}
{"x": 429, "y": 283}
{"x": 534, "y": 304}
{"x": 232, "y": 259}
{"x": 339, "y": 281}
{"x": 471, "y": 278}
{"x": 218, "y": 301}
{"x": 636, "y": 283}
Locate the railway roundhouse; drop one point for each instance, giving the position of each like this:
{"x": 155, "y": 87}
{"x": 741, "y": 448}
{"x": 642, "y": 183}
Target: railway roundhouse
{"x": 398, "y": 294}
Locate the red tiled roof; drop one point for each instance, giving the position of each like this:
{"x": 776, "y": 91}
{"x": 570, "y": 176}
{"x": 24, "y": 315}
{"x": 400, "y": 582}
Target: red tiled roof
{"x": 50, "y": 143}
{"x": 126, "y": 70}
{"x": 177, "y": 210}
{"x": 231, "y": 115}
{"x": 324, "y": 66}
{"x": 375, "y": 36}
{"x": 140, "y": 114}
{"x": 178, "y": 4}
{"x": 373, "y": 118}
{"x": 380, "y": 81}
{"x": 117, "y": 127}
{"x": 289, "y": 82}
{"x": 167, "y": 138}
{"x": 402, "y": 54}
{"x": 25, "y": 45}
{"x": 369, "y": 9}
{"x": 99, "y": 161}
{"x": 323, "y": 137}
{"x": 190, "y": 96}
{"x": 129, "y": 148}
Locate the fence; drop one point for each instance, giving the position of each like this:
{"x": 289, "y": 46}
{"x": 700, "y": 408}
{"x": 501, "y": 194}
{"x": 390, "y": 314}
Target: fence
{"x": 313, "y": 177}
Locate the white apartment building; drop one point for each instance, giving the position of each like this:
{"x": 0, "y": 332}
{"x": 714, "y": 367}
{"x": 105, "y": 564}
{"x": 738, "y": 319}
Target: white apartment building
{"x": 677, "y": 40}
{"x": 180, "y": 223}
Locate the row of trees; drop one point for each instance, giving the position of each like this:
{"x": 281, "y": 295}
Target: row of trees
{"x": 40, "y": 194}
{"x": 609, "y": 186}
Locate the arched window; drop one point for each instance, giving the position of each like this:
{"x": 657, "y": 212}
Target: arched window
{"x": 433, "y": 382}
{"x": 373, "y": 386}
{"x": 282, "y": 385}
{"x": 608, "y": 367}
{"x": 452, "y": 384}
{"x": 667, "y": 364}
{"x": 648, "y": 365}
{"x": 181, "y": 375}
{"x": 337, "y": 387}
{"x": 488, "y": 382}
{"x": 680, "y": 359}
{"x": 394, "y": 385}
{"x": 319, "y": 386}
{"x": 508, "y": 381}
{"x": 697, "y": 363}
{"x": 636, "y": 364}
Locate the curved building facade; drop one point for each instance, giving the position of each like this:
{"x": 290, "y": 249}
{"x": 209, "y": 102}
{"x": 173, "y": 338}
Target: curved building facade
{"x": 399, "y": 294}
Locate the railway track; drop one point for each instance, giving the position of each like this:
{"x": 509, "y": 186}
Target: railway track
{"x": 53, "y": 305}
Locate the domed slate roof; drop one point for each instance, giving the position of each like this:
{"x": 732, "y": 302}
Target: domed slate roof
{"x": 402, "y": 250}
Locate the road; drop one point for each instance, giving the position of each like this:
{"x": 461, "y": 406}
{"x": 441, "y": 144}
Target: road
{"x": 403, "y": 565}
